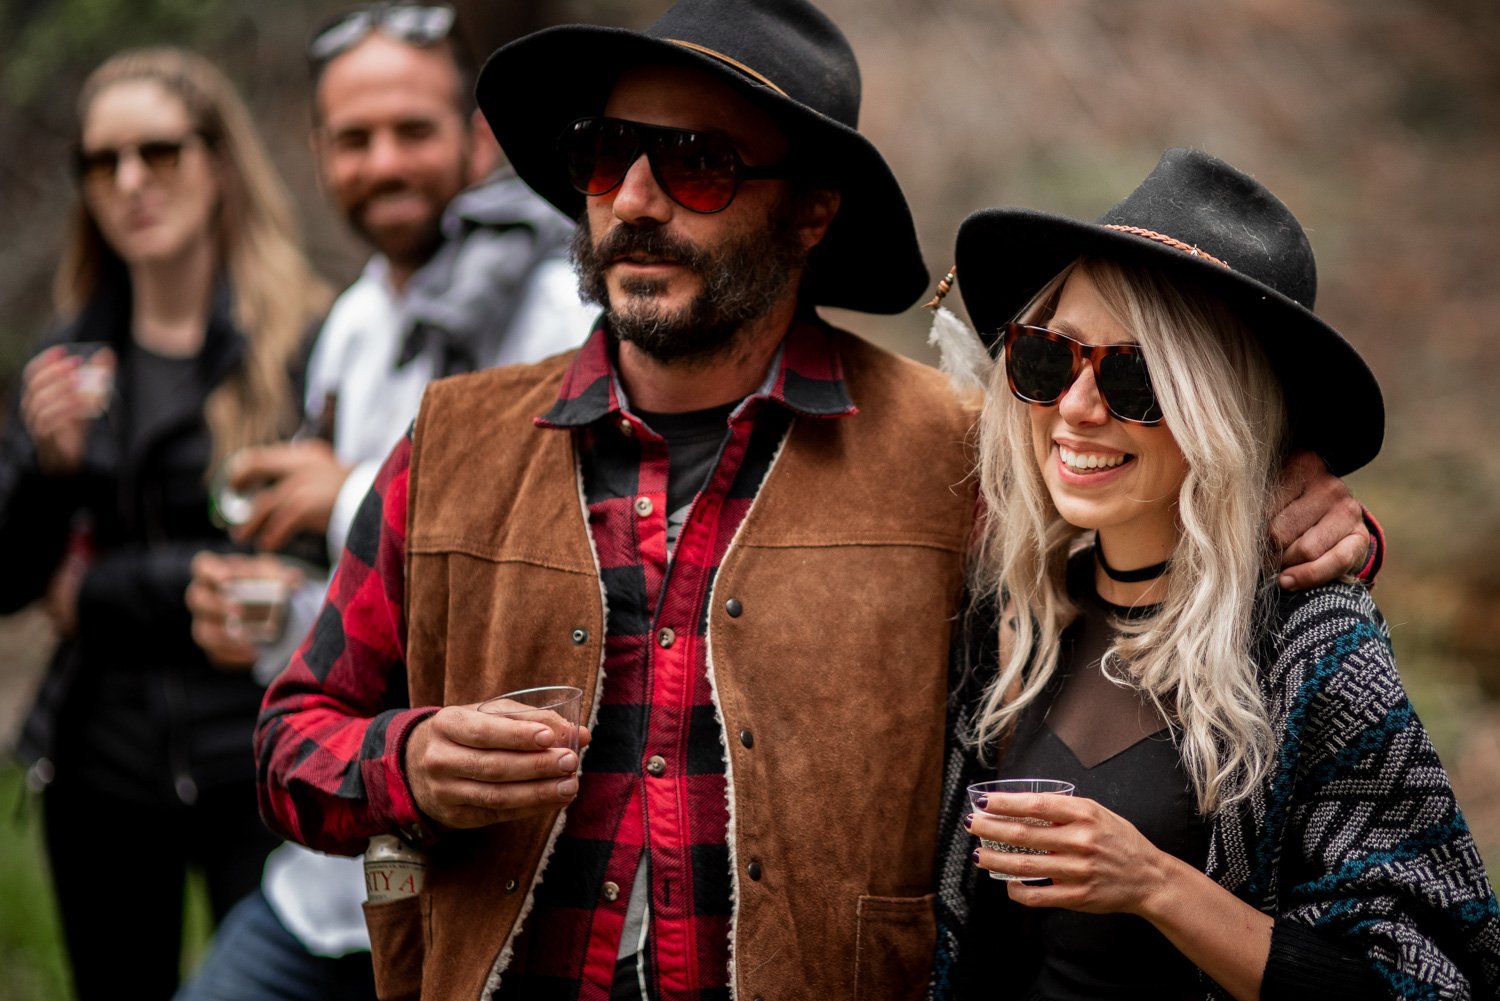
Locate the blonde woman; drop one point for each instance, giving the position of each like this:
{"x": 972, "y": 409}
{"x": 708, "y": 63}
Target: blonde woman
{"x": 185, "y": 302}
{"x": 1258, "y": 813}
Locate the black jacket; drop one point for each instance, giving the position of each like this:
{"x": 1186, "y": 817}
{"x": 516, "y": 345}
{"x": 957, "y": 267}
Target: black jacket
{"x": 130, "y": 702}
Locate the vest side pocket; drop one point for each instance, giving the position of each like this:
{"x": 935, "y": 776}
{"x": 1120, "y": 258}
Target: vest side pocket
{"x": 398, "y": 946}
{"x": 894, "y": 944}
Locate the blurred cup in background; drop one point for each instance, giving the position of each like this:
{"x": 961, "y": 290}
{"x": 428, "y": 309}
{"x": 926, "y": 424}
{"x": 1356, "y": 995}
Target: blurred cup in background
{"x": 94, "y": 379}
{"x": 256, "y": 608}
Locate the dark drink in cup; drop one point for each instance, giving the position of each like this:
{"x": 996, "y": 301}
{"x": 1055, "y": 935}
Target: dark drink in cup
{"x": 257, "y": 608}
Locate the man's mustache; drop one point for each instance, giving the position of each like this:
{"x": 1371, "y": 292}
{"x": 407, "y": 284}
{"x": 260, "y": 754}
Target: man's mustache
{"x": 648, "y": 241}
{"x": 394, "y": 187}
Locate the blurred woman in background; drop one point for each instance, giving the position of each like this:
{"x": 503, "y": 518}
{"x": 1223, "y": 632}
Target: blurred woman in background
{"x": 1258, "y": 811}
{"x": 185, "y": 301}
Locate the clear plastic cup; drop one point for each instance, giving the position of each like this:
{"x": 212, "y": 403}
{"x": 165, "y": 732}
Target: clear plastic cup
{"x": 1056, "y": 787}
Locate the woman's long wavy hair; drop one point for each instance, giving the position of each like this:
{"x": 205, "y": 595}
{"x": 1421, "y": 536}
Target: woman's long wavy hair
{"x": 276, "y": 294}
{"x": 1225, "y": 409}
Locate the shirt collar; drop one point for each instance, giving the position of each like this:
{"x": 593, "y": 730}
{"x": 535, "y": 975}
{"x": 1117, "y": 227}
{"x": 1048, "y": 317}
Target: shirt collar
{"x": 806, "y": 376}
{"x": 378, "y": 271}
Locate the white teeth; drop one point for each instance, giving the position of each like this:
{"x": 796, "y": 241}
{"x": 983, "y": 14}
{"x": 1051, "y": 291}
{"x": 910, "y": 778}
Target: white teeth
{"x": 1088, "y": 460}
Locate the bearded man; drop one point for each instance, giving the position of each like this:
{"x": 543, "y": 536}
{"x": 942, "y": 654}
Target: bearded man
{"x": 469, "y": 270}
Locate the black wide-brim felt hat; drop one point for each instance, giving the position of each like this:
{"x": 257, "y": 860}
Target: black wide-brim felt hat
{"x": 1205, "y": 224}
{"x": 786, "y": 56}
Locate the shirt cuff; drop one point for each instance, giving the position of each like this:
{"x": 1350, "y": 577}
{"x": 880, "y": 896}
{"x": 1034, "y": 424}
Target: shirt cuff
{"x": 1307, "y": 964}
{"x": 407, "y": 819}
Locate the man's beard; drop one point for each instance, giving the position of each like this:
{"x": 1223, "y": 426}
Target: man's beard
{"x": 409, "y": 245}
{"x": 741, "y": 281}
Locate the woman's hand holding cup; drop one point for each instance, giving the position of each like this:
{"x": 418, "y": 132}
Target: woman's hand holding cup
{"x": 63, "y": 390}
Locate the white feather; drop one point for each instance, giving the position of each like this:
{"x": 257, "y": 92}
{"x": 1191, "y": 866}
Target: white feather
{"x": 962, "y": 356}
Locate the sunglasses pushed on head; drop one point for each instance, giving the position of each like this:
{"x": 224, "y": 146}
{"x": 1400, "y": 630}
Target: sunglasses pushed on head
{"x": 415, "y": 24}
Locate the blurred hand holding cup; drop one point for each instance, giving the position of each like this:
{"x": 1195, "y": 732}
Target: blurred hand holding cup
{"x": 1006, "y": 786}
{"x": 556, "y": 706}
{"x": 229, "y": 505}
{"x": 94, "y": 378}
{"x": 255, "y": 608}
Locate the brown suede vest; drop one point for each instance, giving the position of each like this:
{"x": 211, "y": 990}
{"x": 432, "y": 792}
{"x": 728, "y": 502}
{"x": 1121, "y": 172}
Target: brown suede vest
{"x": 830, "y": 680}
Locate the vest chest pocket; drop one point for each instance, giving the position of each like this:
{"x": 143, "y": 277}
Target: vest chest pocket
{"x": 478, "y": 627}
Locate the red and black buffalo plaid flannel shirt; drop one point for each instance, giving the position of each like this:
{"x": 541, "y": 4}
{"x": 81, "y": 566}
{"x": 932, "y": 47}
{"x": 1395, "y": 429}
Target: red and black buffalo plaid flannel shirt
{"x": 652, "y": 781}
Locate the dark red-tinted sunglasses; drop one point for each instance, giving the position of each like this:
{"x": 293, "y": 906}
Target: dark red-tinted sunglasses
{"x": 1041, "y": 364}
{"x": 701, "y": 171}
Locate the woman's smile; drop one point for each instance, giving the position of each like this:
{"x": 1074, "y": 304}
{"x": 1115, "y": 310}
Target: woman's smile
{"x": 1085, "y": 460}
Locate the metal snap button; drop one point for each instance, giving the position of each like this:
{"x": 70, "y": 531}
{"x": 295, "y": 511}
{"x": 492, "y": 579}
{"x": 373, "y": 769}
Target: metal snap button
{"x": 580, "y": 637}
{"x": 643, "y": 507}
{"x": 611, "y": 891}
{"x": 734, "y": 608}
{"x": 656, "y": 765}
{"x": 754, "y": 870}
{"x": 665, "y": 638}
{"x": 747, "y": 738}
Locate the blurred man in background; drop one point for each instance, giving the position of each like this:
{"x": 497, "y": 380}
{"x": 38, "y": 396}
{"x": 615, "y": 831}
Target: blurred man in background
{"x": 470, "y": 270}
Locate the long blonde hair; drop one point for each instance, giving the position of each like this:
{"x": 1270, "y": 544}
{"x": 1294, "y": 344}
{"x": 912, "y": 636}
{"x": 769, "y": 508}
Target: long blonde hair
{"x": 1192, "y": 657}
{"x": 276, "y": 294}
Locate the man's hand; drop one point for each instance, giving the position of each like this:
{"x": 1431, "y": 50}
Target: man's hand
{"x": 471, "y": 769}
{"x": 210, "y": 607}
{"x": 303, "y": 480}
{"x": 1320, "y": 527}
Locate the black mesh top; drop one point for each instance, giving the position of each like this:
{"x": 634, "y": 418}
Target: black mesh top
{"x": 1116, "y": 747}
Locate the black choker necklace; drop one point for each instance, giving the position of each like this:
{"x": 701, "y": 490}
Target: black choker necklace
{"x": 1152, "y": 572}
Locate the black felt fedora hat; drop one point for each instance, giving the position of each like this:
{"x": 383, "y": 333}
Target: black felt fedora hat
{"x": 785, "y": 55}
{"x": 1209, "y": 225}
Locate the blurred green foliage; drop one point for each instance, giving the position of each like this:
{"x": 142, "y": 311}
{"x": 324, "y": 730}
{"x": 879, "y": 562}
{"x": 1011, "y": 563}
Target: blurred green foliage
{"x": 31, "y": 951}
{"x": 50, "y": 38}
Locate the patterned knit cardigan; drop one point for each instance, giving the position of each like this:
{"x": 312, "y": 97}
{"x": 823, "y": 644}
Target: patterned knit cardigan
{"x": 1354, "y": 841}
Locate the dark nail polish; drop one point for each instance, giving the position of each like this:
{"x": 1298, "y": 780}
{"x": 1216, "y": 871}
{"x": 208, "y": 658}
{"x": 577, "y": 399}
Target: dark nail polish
{"x": 982, "y": 802}
{"x": 975, "y": 856}
{"x": 968, "y": 822}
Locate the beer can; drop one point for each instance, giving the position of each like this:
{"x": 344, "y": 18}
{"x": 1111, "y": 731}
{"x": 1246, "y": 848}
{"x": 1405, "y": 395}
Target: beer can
{"x": 393, "y": 869}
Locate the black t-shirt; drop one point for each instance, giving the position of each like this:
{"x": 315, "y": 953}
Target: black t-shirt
{"x": 155, "y": 381}
{"x": 694, "y": 440}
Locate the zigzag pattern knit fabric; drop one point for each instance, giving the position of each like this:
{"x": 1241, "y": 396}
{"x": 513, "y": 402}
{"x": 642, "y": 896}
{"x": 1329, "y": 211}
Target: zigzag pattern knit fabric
{"x": 1354, "y": 834}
